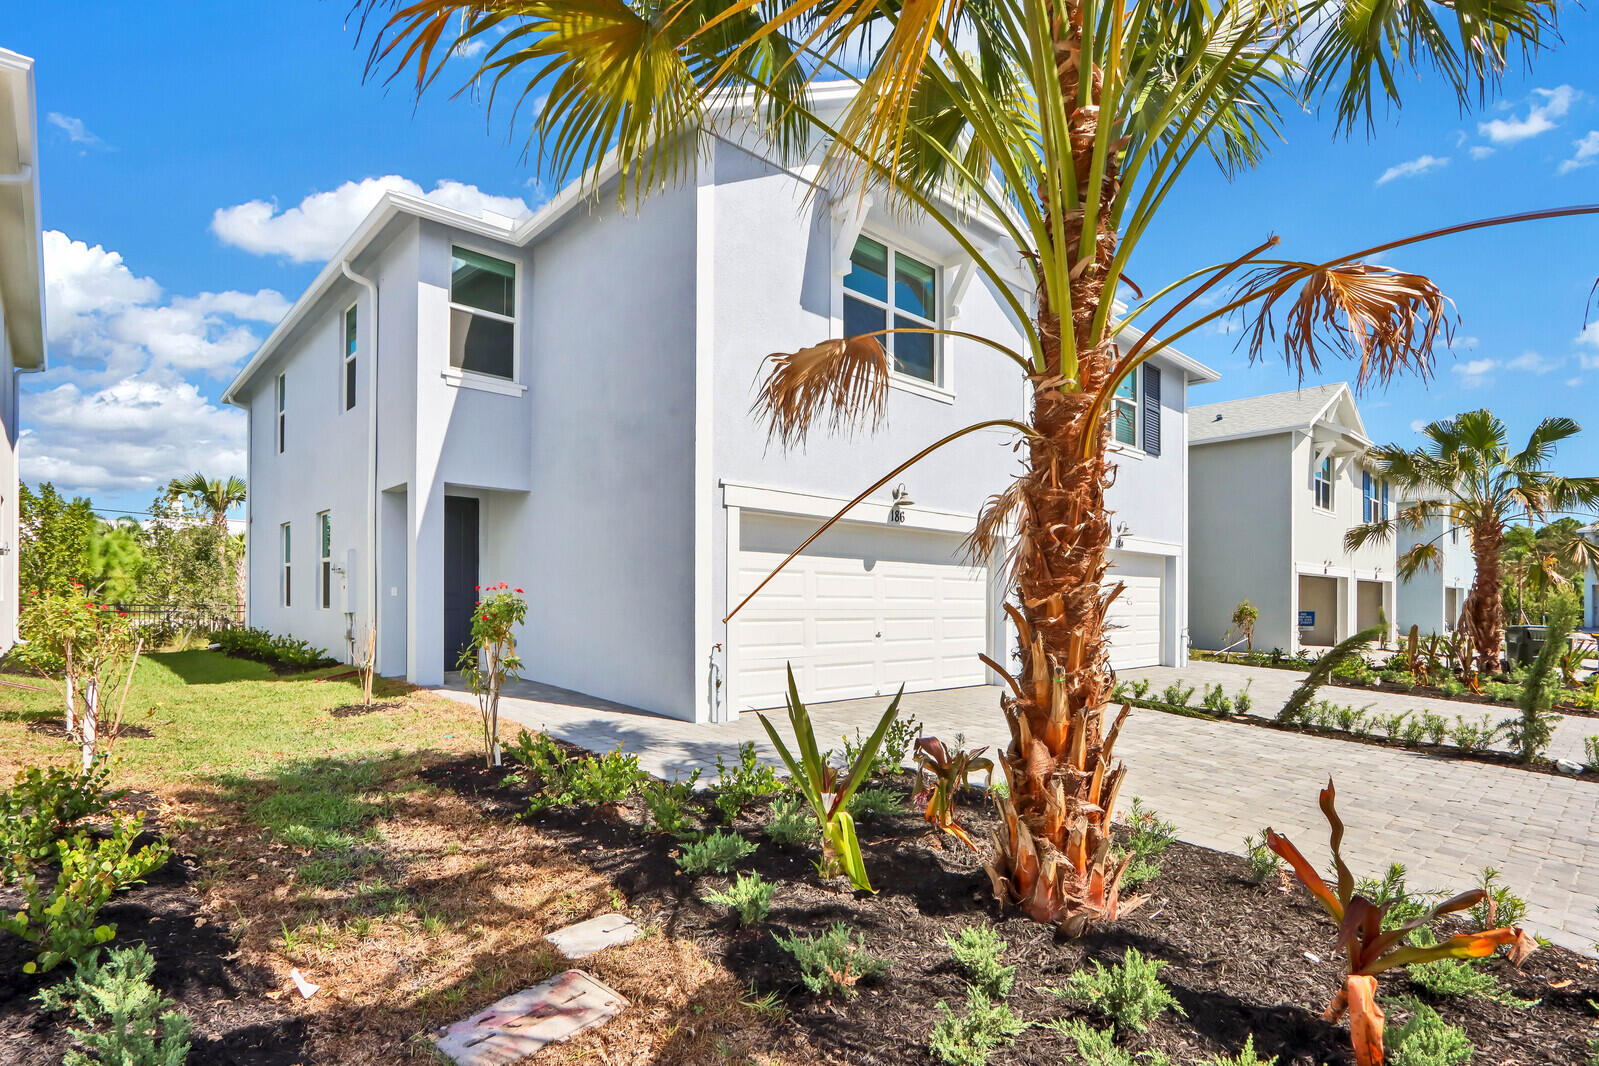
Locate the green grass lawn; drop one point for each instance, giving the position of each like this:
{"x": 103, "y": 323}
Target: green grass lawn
{"x": 202, "y": 714}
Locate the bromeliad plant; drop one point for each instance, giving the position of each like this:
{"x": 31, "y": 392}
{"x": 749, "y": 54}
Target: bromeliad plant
{"x": 827, "y": 788}
{"x": 490, "y": 657}
{"x": 1371, "y": 949}
{"x": 950, "y": 770}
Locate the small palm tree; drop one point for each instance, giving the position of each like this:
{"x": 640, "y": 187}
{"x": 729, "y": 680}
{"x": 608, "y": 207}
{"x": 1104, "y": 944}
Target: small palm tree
{"x": 1467, "y": 476}
{"x": 215, "y": 498}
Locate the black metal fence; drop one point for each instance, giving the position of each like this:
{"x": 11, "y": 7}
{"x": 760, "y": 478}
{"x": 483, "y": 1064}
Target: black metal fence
{"x": 174, "y": 618}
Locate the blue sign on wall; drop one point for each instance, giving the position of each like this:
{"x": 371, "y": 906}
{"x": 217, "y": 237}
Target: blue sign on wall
{"x": 1307, "y": 619}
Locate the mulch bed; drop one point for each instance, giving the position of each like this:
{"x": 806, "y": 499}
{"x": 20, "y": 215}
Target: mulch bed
{"x": 234, "y": 1024}
{"x": 1243, "y": 958}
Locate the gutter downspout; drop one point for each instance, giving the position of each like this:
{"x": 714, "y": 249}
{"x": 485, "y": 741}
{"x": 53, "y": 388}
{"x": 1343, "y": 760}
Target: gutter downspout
{"x": 21, "y": 177}
{"x": 372, "y": 469}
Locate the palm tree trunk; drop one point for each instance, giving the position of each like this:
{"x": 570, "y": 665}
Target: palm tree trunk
{"x": 1485, "y": 610}
{"x": 1053, "y": 859}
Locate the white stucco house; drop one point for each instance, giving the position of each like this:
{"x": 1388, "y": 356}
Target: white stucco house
{"x": 1432, "y": 599}
{"x": 22, "y": 345}
{"x": 1276, "y": 483}
{"x": 564, "y": 404}
{"x": 1590, "y": 584}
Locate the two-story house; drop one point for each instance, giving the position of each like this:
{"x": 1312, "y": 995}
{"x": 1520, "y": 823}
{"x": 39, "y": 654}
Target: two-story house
{"x": 1590, "y": 583}
{"x": 1276, "y": 483}
{"x": 22, "y": 345}
{"x": 1432, "y": 598}
{"x": 564, "y": 404}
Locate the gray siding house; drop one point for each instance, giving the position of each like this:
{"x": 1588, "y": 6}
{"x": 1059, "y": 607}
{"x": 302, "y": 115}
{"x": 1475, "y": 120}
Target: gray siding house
{"x": 1432, "y": 599}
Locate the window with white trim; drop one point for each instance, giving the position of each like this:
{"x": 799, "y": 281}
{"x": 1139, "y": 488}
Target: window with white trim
{"x": 1374, "y": 497}
{"x": 349, "y": 357}
{"x": 288, "y": 555}
{"x": 282, "y": 399}
{"x": 324, "y": 531}
{"x": 885, "y": 285}
{"x": 1124, "y": 411}
{"x": 1323, "y": 484}
{"x": 1454, "y": 534}
{"x": 482, "y": 314}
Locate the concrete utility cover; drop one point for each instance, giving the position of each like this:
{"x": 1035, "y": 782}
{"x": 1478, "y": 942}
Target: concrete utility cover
{"x": 585, "y": 938}
{"x": 527, "y": 1021}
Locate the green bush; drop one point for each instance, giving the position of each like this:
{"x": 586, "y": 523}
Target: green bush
{"x": 968, "y": 1041}
{"x": 743, "y": 783}
{"x": 1177, "y": 694}
{"x": 667, "y": 804}
{"x": 891, "y": 751}
{"x": 258, "y": 644}
{"x": 717, "y": 853}
{"x": 564, "y": 780}
{"x": 62, "y": 922}
{"x": 1263, "y": 862}
{"x": 1426, "y": 1040}
{"x": 833, "y": 961}
{"x": 1414, "y": 730}
{"x": 1129, "y": 993}
{"x": 1215, "y": 700}
{"x": 1507, "y": 907}
{"x": 791, "y": 823}
{"x": 1147, "y": 837}
{"x": 875, "y": 803}
{"x": 977, "y": 950}
{"x": 1473, "y": 736}
{"x": 1591, "y": 745}
{"x": 41, "y": 806}
{"x": 1451, "y": 978}
{"x": 750, "y": 897}
{"x": 1243, "y": 701}
{"x": 129, "y": 1022}
{"x": 1390, "y": 725}
{"x": 1435, "y": 726}
{"x": 1097, "y": 1047}
{"x": 1245, "y": 1057}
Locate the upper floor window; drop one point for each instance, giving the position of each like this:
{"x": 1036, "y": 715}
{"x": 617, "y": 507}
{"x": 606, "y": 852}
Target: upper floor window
{"x": 1374, "y": 495}
{"x": 324, "y": 524}
{"x": 1454, "y": 538}
{"x": 1323, "y": 484}
{"x": 349, "y": 358}
{"x": 283, "y": 532}
{"x": 482, "y": 314}
{"x": 1124, "y": 411}
{"x": 282, "y": 397}
{"x": 885, "y": 285}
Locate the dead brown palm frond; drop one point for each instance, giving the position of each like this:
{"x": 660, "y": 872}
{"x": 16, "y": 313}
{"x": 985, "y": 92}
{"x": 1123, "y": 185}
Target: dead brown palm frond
{"x": 1389, "y": 319}
{"x": 844, "y": 381}
{"x": 993, "y": 529}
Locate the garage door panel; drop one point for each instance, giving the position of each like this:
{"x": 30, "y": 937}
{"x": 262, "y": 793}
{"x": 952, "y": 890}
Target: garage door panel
{"x": 1135, "y": 619}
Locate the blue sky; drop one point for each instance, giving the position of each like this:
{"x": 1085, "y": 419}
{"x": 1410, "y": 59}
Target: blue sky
{"x": 200, "y": 162}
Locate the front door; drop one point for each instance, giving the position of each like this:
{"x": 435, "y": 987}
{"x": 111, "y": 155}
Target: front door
{"x": 460, "y": 576}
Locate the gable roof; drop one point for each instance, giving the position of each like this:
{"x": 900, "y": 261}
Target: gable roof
{"x": 21, "y": 243}
{"x": 1277, "y": 412}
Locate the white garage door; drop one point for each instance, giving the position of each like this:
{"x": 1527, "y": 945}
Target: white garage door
{"x": 866, "y": 608}
{"x": 1136, "y": 616}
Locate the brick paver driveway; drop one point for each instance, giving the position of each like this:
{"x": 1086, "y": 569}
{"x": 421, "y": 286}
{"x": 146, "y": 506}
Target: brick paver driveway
{"x": 1218, "y": 781}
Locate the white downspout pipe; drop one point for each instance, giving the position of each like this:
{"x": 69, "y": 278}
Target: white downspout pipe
{"x": 372, "y": 468}
{"x": 21, "y": 177}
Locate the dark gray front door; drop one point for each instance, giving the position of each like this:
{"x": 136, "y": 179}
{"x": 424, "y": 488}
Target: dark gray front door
{"x": 460, "y": 575}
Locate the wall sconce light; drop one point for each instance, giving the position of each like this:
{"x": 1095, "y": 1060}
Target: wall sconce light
{"x": 1121, "y": 534}
{"x": 902, "y": 500}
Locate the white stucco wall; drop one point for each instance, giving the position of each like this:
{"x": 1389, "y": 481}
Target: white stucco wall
{"x": 9, "y": 488}
{"x": 1239, "y": 519}
{"x": 1421, "y": 599}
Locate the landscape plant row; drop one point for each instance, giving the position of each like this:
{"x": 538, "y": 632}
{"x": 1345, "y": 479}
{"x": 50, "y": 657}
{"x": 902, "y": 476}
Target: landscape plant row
{"x": 282, "y": 651}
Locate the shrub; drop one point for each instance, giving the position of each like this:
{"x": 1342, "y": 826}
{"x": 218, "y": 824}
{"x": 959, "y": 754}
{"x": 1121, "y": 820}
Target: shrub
{"x": 1130, "y": 993}
{"x": 1531, "y": 732}
{"x": 278, "y": 651}
{"x": 667, "y": 804}
{"x": 1263, "y": 862}
{"x": 1243, "y": 701}
{"x": 1141, "y": 688}
{"x": 1245, "y": 1057}
{"x": 1591, "y": 745}
{"x": 41, "y": 806}
{"x": 1414, "y": 730}
{"x": 743, "y": 783}
{"x": 1507, "y": 907}
{"x": 1390, "y": 725}
{"x": 489, "y": 658}
{"x": 1352, "y": 719}
{"x": 750, "y": 897}
{"x": 832, "y": 961}
{"x": 876, "y": 803}
{"x": 716, "y": 853}
{"x": 1245, "y": 615}
{"x": 1097, "y": 1047}
{"x": 1177, "y": 694}
{"x": 130, "y": 1022}
{"x": 1453, "y": 978}
{"x": 977, "y": 950}
{"x": 1435, "y": 725}
{"x": 62, "y": 924}
{"x": 99, "y": 649}
{"x": 564, "y": 780}
{"x": 987, "y": 1026}
{"x": 791, "y": 823}
{"x": 1322, "y": 672}
{"x": 1427, "y": 1040}
{"x": 950, "y": 767}
{"x": 1473, "y": 737}
{"x": 891, "y": 751}
{"x": 1215, "y": 700}
{"x": 1148, "y": 836}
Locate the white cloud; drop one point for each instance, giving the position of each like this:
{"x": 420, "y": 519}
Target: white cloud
{"x": 1531, "y": 362}
{"x": 469, "y": 48}
{"x": 79, "y": 280}
{"x": 1481, "y": 151}
{"x": 184, "y": 339}
{"x": 1474, "y": 373}
{"x": 313, "y": 229}
{"x": 75, "y": 130}
{"x": 1587, "y": 151}
{"x": 1572, "y": 383}
{"x": 1548, "y": 105}
{"x": 1589, "y": 335}
{"x": 264, "y": 305}
{"x": 1413, "y": 168}
{"x": 1417, "y": 425}
{"x": 1588, "y": 362}
{"x": 1463, "y": 344}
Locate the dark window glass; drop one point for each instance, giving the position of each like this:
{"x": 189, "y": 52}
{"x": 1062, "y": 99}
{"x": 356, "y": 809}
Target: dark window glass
{"x": 861, "y": 317}
{"x": 868, "y": 269}
{"x": 477, "y": 280}
{"x": 349, "y": 384}
{"x": 913, "y": 286}
{"x": 481, "y": 345}
{"x": 913, "y": 352}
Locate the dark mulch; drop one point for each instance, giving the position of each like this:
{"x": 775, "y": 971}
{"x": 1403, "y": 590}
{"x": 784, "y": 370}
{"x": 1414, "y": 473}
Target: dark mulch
{"x": 357, "y": 710}
{"x": 1243, "y": 958}
{"x": 234, "y": 1024}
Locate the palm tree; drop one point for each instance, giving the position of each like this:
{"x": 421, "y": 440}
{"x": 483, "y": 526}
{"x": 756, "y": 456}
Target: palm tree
{"x": 1537, "y": 562}
{"x": 1466, "y": 476}
{"x": 215, "y": 498}
{"x": 1067, "y": 122}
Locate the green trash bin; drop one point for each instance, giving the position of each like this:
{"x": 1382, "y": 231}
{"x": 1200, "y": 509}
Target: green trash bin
{"x": 1523, "y": 643}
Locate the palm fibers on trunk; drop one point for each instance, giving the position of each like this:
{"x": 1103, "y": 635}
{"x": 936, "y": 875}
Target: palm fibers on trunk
{"x": 1484, "y": 616}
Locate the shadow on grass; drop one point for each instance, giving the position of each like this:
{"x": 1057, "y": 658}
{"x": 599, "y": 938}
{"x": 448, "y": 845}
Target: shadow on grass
{"x": 204, "y": 667}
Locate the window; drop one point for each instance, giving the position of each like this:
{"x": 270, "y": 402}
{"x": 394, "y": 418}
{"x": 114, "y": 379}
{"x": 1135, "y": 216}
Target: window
{"x": 911, "y": 302}
{"x": 349, "y": 358}
{"x": 283, "y": 389}
{"x": 1324, "y": 484}
{"x": 324, "y": 526}
{"x": 1454, "y": 536}
{"x": 1374, "y": 497}
{"x": 482, "y": 314}
{"x": 287, "y": 556}
{"x": 1124, "y": 411}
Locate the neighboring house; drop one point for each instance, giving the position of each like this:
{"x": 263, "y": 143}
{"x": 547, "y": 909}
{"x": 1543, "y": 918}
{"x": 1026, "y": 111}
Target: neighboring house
{"x": 566, "y": 406}
{"x": 1590, "y": 584}
{"x": 21, "y": 299}
{"x": 1276, "y": 483}
{"x": 1432, "y": 599}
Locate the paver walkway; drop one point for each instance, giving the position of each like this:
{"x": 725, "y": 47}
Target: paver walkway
{"x": 1218, "y": 781}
